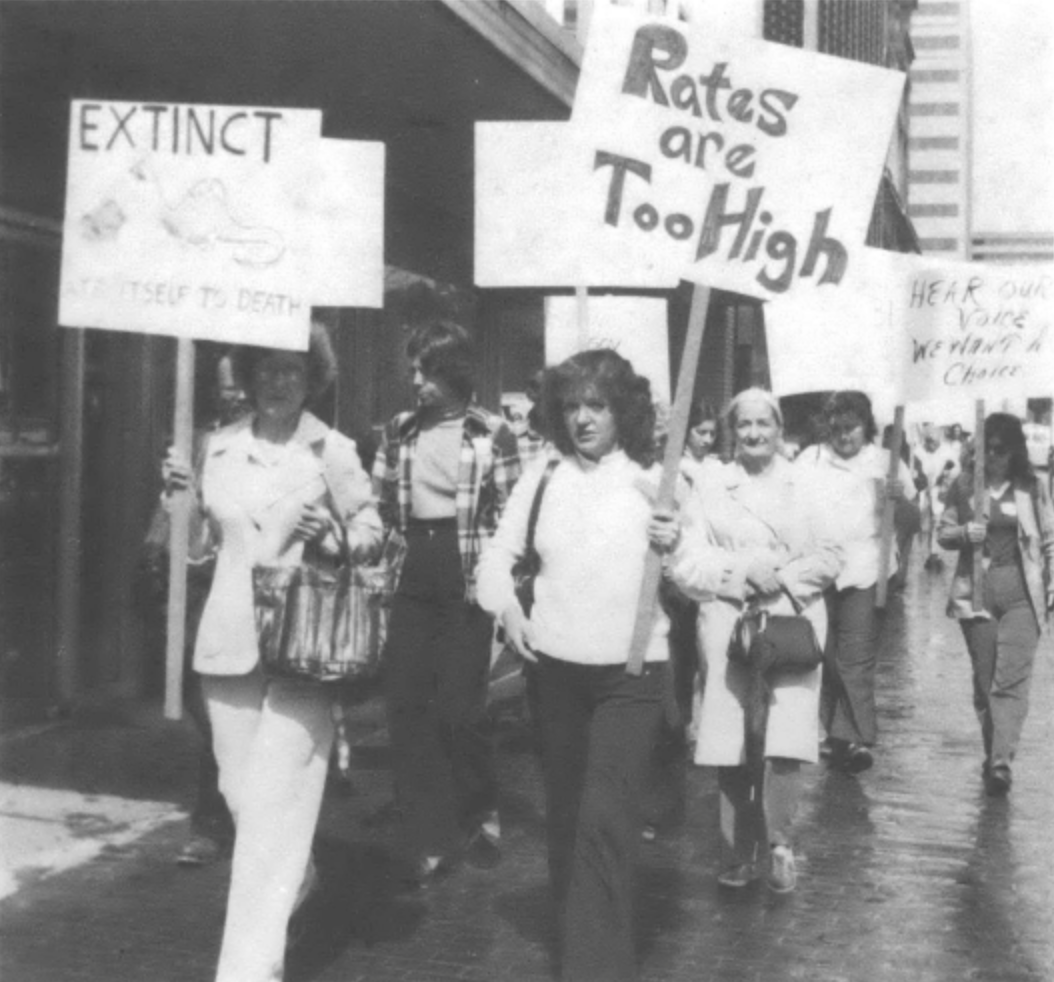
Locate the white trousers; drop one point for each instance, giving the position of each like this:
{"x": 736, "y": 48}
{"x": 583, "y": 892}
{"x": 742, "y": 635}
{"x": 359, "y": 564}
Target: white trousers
{"x": 272, "y": 741}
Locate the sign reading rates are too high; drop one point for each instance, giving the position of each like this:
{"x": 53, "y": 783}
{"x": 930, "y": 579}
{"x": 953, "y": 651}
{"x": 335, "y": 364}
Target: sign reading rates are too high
{"x": 742, "y": 164}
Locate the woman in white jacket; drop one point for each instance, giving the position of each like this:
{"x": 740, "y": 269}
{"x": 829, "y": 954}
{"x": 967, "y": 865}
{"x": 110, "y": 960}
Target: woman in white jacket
{"x": 755, "y": 536}
{"x": 277, "y": 488}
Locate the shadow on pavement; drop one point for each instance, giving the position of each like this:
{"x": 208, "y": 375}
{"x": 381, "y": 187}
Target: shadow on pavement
{"x": 359, "y": 902}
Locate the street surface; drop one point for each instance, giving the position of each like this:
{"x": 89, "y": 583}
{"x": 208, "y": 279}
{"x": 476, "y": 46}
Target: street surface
{"x": 909, "y": 873}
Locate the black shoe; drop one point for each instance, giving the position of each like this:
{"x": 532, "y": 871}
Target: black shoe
{"x": 998, "y": 781}
{"x": 857, "y": 759}
{"x": 482, "y": 851}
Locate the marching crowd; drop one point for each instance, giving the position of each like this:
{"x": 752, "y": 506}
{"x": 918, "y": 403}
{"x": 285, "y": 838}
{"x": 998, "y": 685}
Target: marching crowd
{"x": 765, "y": 638}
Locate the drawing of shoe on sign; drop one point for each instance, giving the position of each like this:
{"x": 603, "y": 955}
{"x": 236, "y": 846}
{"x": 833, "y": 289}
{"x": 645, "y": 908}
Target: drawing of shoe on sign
{"x": 203, "y": 219}
{"x": 103, "y": 223}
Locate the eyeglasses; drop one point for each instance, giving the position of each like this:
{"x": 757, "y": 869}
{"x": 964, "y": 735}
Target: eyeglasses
{"x": 844, "y": 428}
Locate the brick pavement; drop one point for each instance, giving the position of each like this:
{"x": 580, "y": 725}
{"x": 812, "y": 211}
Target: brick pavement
{"x": 909, "y": 873}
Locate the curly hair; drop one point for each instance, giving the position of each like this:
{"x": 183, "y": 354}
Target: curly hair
{"x": 444, "y": 351}
{"x": 609, "y": 376}
{"x": 321, "y": 363}
{"x": 851, "y": 403}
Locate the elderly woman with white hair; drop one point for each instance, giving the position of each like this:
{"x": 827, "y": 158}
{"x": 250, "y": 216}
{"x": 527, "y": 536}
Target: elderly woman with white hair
{"x": 755, "y": 536}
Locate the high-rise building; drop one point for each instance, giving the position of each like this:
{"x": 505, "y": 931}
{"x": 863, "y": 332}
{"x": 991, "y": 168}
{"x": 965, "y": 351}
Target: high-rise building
{"x": 946, "y": 194}
{"x": 939, "y": 143}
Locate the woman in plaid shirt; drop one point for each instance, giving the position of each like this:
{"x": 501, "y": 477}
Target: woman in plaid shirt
{"x": 443, "y": 474}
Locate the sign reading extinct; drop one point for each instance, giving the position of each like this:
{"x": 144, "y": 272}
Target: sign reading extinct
{"x": 976, "y": 331}
{"x": 739, "y": 163}
{"x": 184, "y": 220}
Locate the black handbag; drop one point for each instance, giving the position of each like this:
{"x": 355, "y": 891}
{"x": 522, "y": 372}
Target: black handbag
{"x": 774, "y": 644}
{"x": 525, "y": 569}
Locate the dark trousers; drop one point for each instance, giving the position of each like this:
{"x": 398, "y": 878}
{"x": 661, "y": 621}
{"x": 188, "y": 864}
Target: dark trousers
{"x": 435, "y": 670}
{"x": 847, "y": 699}
{"x": 598, "y": 727}
{"x": 1003, "y": 650}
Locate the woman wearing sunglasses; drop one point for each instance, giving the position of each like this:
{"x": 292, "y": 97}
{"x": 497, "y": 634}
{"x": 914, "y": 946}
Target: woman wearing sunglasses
{"x": 1014, "y": 528}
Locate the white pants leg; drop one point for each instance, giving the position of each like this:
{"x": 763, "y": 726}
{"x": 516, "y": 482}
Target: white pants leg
{"x": 272, "y": 741}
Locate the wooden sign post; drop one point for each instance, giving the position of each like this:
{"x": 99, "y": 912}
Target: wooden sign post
{"x": 179, "y": 518}
{"x": 678, "y": 431}
{"x": 979, "y": 505}
{"x": 169, "y": 231}
{"x": 888, "y": 528}
{"x": 582, "y": 315}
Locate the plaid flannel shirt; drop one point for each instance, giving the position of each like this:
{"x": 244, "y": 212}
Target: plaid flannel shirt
{"x": 488, "y": 469}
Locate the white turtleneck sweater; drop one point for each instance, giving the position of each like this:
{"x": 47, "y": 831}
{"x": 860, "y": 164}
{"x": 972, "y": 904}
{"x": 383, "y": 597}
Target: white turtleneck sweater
{"x": 592, "y": 539}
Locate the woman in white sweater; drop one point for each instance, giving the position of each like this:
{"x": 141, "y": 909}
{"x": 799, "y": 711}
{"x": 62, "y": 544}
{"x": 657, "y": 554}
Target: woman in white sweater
{"x": 598, "y": 723}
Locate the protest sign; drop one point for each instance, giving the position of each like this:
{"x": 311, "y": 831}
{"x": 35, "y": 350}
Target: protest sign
{"x": 844, "y": 339}
{"x": 183, "y": 220}
{"x": 343, "y": 196}
{"x": 730, "y": 161}
{"x": 530, "y": 228}
{"x": 635, "y": 327}
{"x": 972, "y": 331}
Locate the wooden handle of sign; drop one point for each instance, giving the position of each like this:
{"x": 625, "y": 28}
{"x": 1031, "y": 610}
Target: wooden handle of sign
{"x": 582, "y": 316}
{"x": 678, "y": 430}
{"x": 888, "y": 530}
{"x": 978, "y": 506}
{"x": 179, "y": 516}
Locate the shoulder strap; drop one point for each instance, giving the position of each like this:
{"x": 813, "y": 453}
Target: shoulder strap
{"x": 536, "y": 505}
{"x": 795, "y": 602}
{"x": 339, "y": 529}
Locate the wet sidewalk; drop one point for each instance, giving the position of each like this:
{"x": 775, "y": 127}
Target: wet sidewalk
{"x": 909, "y": 873}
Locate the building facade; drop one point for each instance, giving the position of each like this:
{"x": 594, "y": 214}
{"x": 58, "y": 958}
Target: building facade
{"x": 85, "y": 415}
{"x": 939, "y": 147}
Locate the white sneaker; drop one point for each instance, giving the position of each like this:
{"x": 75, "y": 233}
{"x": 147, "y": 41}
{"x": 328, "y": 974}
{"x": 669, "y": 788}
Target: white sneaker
{"x": 783, "y": 876}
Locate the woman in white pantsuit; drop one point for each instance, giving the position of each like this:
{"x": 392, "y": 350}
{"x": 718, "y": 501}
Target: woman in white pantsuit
{"x": 269, "y": 485}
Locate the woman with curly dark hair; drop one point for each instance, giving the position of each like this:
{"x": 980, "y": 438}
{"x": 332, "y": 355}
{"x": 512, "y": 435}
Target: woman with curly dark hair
{"x": 1015, "y": 530}
{"x": 598, "y": 724}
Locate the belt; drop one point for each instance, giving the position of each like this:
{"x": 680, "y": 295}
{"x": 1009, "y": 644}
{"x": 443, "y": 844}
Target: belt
{"x": 430, "y": 526}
